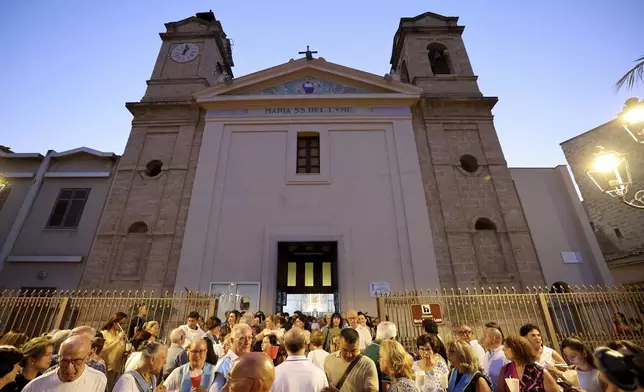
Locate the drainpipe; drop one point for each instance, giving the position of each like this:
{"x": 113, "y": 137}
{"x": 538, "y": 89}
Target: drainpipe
{"x": 24, "y": 209}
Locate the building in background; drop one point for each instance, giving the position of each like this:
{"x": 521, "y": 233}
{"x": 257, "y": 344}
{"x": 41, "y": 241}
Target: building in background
{"x": 618, "y": 227}
{"x": 312, "y": 185}
{"x": 566, "y": 245}
{"x": 49, "y": 212}
{"x": 312, "y": 178}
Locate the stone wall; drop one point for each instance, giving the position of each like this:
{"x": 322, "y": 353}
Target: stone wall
{"x": 148, "y": 260}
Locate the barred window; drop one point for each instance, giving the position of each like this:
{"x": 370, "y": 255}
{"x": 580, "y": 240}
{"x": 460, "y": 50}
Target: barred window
{"x": 68, "y": 208}
{"x": 308, "y": 153}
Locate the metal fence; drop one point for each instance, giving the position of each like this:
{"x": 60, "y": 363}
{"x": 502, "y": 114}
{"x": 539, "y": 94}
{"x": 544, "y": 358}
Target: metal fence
{"x": 595, "y": 314}
{"x": 36, "y": 312}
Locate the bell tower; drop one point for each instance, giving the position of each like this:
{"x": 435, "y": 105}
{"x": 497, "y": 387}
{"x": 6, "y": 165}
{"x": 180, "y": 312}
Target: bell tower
{"x": 480, "y": 233}
{"x": 139, "y": 238}
{"x": 194, "y": 54}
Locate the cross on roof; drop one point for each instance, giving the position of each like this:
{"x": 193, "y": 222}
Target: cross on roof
{"x": 309, "y": 54}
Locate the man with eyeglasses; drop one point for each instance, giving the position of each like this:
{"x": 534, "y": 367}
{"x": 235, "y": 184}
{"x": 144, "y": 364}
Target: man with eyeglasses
{"x": 195, "y": 376}
{"x": 465, "y": 334}
{"x": 73, "y": 375}
{"x": 241, "y": 338}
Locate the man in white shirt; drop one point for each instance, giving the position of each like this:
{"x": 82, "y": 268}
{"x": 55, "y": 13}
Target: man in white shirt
{"x": 465, "y": 333}
{"x": 494, "y": 357}
{"x": 72, "y": 375}
{"x": 192, "y": 329}
{"x": 297, "y": 373}
{"x": 361, "y": 327}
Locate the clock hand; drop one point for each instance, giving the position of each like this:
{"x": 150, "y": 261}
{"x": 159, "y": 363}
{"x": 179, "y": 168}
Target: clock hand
{"x": 185, "y": 50}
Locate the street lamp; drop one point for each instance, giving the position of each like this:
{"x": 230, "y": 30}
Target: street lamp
{"x": 632, "y": 118}
{"x": 610, "y": 170}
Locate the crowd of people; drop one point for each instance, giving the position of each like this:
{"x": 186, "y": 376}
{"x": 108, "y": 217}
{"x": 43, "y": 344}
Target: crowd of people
{"x": 282, "y": 353}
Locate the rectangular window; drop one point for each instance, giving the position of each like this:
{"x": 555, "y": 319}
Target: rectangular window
{"x": 291, "y": 275}
{"x": 308, "y": 154}
{"x": 4, "y": 195}
{"x": 308, "y": 274}
{"x": 68, "y": 209}
{"x": 618, "y": 233}
{"x": 326, "y": 274}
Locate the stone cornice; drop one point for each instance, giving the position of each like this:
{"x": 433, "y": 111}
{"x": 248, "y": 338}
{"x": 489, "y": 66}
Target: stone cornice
{"x": 447, "y": 100}
{"x": 153, "y": 82}
{"x": 165, "y": 111}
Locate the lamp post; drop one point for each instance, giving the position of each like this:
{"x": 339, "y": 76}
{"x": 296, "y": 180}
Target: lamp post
{"x": 610, "y": 170}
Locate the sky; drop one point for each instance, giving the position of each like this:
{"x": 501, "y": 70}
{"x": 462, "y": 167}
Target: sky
{"x": 68, "y": 66}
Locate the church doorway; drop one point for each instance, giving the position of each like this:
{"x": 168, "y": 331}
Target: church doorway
{"x": 307, "y": 277}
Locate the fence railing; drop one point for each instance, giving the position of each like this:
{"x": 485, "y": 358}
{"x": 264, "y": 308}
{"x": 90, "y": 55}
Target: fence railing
{"x": 595, "y": 314}
{"x": 36, "y": 312}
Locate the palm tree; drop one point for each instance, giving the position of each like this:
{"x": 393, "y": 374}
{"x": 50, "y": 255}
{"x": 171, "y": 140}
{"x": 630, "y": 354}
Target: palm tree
{"x": 632, "y": 77}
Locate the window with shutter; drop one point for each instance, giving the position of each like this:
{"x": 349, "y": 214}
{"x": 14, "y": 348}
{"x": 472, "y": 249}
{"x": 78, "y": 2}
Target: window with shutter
{"x": 308, "y": 154}
{"x": 68, "y": 209}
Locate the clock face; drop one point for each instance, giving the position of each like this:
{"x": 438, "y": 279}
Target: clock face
{"x": 183, "y": 53}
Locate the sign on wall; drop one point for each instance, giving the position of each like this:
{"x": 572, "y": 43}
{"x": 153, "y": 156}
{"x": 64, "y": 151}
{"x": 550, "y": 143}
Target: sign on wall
{"x": 306, "y": 111}
{"x": 426, "y": 311}
{"x": 572, "y": 257}
{"x": 378, "y": 289}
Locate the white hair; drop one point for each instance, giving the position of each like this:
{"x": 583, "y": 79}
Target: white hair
{"x": 150, "y": 350}
{"x": 386, "y": 330}
{"x": 238, "y": 329}
{"x": 176, "y": 335}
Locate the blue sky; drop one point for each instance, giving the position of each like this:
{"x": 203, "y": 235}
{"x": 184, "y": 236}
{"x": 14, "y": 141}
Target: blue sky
{"x": 68, "y": 67}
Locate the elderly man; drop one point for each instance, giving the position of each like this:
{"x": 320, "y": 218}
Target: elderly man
{"x": 254, "y": 372}
{"x": 465, "y": 334}
{"x": 386, "y": 331}
{"x": 241, "y": 338}
{"x": 177, "y": 339}
{"x": 72, "y": 373}
{"x": 297, "y": 373}
{"x": 197, "y": 373}
{"x": 363, "y": 377}
{"x": 143, "y": 377}
{"x": 494, "y": 357}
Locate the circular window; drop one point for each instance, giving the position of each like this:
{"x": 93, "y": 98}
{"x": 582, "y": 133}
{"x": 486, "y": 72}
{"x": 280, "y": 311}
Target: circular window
{"x": 469, "y": 163}
{"x": 153, "y": 168}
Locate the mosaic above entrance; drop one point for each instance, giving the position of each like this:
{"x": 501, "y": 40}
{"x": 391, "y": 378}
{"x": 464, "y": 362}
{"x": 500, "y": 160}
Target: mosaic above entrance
{"x": 310, "y": 85}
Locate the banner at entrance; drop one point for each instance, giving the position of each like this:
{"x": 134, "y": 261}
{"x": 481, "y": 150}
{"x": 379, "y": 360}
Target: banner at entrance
{"x": 426, "y": 311}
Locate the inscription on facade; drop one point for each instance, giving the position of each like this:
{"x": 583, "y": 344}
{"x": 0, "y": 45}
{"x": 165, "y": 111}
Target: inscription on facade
{"x": 321, "y": 110}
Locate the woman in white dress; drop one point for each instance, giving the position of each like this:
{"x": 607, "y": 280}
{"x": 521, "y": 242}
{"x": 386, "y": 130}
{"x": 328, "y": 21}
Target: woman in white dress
{"x": 431, "y": 369}
{"x": 547, "y": 356}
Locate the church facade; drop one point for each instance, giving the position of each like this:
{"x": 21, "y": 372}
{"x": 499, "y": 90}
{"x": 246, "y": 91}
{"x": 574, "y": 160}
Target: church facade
{"x": 311, "y": 184}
